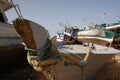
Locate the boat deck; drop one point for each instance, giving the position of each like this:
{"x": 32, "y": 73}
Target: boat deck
{"x": 80, "y": 49}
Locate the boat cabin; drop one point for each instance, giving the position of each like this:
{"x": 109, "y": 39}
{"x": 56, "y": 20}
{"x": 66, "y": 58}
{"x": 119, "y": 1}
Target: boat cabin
{"x": 70, "y": 33}
{"x": 4, "y": 6}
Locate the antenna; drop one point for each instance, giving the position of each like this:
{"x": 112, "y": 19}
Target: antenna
{"x": 64, "y": 25}
{"x": 103, "y": 15}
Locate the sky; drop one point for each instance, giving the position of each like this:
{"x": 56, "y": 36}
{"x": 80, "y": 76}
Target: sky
{"x": 49, "y": 13}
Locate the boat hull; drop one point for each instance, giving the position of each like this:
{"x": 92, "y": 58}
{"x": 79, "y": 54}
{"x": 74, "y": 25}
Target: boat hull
{"x": 11, "y": 48}
{"x": 100, "y": 40}
{"x": 11, "y": 55}
{"x": 99, "y": 55}
{"x": 93, "y": 32}
{"x": 73, "y": 72}
{"x": 113, "y": 28}
{"x": 104, "y": 42}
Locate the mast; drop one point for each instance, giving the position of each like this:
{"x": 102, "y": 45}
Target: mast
{"x": 102, "y": 20}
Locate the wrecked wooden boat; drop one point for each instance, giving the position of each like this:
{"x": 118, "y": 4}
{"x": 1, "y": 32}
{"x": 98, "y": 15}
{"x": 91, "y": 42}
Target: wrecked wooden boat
{"x": 58, "y": 60}
{"x": 11, "y": 48}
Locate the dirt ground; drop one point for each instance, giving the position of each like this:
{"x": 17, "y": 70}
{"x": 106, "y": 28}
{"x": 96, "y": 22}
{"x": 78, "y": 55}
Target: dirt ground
{"x": 23, "y": 71}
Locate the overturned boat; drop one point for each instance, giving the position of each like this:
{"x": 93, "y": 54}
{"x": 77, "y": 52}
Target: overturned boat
{"x": 11, "y": 48}
{"x": 58, "y": 60}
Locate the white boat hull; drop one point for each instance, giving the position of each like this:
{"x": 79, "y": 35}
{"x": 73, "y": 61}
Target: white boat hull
{"x": 93, "y": 32}
{"x": 113, "y": 28}
{"x": 95, "y": 40}
{"x": 98, "y": 57}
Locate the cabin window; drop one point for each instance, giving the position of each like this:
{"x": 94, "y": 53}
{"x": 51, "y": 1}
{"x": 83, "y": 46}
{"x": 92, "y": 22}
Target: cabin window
{"x": 2, "y": 18}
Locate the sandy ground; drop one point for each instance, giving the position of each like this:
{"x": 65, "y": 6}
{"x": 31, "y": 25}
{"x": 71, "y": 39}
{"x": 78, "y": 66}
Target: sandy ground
{"x": 23, "y": 71}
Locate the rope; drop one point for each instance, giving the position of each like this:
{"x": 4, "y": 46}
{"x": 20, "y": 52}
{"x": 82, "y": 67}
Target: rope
{"x": 29, "y": 49}
{"x": 114, "y": 68}
{"x": 44, "y": 54}
{"x": 50, "y": 56}
{"x": 38, "y": 50}
{"x": 83, "y": 73}
{"x": 81, "y": 63}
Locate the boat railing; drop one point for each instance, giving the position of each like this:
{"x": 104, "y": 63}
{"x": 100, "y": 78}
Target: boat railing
{"x": 17, "y": 9}
{"x": 9, "y": 1}
{"x": 8, "y": 4}
{"x": 6, "y": 1}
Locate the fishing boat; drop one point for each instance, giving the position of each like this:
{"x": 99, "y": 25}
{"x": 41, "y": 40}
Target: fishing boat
{"x": 112, "y": 26}
{"x": 68, "y": 34}
{"x": 58, "y": 60}
{"x": 91, "y": 32}
{"x": 98, "y": 36}
{"x": 11, "y": 48}
{"x": 116, "y": 41}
